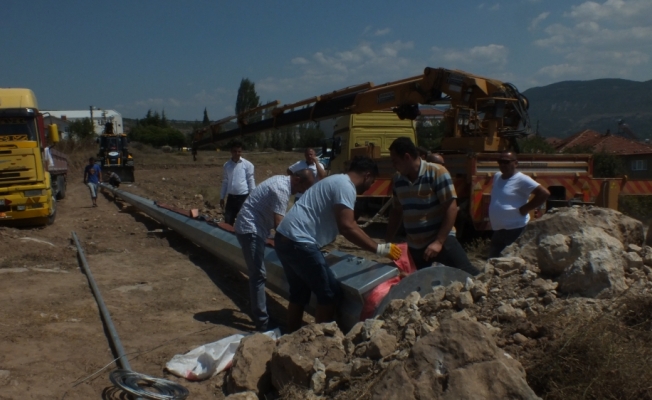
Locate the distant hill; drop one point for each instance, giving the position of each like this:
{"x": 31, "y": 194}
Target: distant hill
{"x": 565, "y": 108}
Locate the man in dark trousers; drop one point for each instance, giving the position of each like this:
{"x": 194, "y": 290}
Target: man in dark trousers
{"x": 322, "y": 213}
{"x": 510, "y": 203}
{"x": 425, "y": 201}
{"x": 237, "y": 182}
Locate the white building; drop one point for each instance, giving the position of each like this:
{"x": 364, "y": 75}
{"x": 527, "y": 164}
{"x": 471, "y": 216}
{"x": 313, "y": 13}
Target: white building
{"x": 99, "y": 118}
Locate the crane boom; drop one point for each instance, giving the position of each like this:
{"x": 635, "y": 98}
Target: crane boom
{"x": 484, "y": 112}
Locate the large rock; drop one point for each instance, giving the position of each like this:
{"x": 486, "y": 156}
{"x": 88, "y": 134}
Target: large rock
{"x": 295, "y": 354}
{"x": 250, "y": 370}
{"x": 567, "y": 221}
{"x": 583, "y": 249}
{"x": 460, "y": 360}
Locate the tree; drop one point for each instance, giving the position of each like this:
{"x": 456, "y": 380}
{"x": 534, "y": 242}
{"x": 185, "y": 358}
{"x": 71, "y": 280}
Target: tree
{"x": 430, "y": 135}
{"x": 154, "y": 129}
{"x": 82, "y": 128}
{"x": 246, "y": 100}
{"x": 535, "y": 145}
{"x": 206, "y": 121}
{"x": 605, "y": 165}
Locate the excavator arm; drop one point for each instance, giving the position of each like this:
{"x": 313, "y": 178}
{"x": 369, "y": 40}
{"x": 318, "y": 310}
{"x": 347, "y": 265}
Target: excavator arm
{"x": 484, "y": 113}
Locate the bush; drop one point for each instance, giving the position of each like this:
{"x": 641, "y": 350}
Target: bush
{"x": 157, "y": 136}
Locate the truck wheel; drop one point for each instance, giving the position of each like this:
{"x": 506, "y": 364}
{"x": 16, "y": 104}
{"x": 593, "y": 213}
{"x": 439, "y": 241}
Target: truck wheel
{"x": 52, "y": 216}
{"x": 61, "y": 185}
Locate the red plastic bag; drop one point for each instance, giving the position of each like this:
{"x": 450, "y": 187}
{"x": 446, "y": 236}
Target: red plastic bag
{"x": 373, "y": 299}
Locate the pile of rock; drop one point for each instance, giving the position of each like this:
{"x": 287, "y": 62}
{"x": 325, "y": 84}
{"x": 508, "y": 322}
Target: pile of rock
{"x": 448, "y": 343}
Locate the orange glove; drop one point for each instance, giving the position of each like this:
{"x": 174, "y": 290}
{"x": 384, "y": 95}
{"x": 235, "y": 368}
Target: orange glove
{"x": 389, "y": 250}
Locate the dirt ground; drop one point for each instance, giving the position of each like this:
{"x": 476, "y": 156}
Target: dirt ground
{"x": 166, "y": 296}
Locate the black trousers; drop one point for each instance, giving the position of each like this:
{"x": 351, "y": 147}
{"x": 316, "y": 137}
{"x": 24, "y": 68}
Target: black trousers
{"x": 501, "y": 239}
{"x": 234, "y": 203}
{"x": 452, "y": 254}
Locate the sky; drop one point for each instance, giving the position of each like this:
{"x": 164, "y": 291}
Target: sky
{"x": 184, "y": 56}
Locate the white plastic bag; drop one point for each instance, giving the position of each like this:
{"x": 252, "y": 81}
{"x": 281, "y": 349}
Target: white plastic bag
{"x": 209, "y": 359}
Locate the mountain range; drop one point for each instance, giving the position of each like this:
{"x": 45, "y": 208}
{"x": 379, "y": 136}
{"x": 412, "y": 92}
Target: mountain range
{"x": 565, "y": 108}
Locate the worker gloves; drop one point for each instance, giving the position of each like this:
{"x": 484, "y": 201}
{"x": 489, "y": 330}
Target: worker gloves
{"x": 389, "y": 250}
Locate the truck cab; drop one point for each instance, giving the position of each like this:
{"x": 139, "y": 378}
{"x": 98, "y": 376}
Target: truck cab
{"x": 369, "y": 134}
{"x": 26, "y": 187}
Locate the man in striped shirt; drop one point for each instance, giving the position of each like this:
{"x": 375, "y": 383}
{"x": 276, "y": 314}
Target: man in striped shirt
{"x": 425, "y": 201}
{"x": 263, "y": 210}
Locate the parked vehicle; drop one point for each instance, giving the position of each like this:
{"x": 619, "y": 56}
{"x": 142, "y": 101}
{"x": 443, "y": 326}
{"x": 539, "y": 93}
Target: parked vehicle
{"x": 29, "y": 182}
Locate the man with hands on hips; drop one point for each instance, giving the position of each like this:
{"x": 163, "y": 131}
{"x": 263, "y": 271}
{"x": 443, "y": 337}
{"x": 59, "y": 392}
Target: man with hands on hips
{"x": 509, "y": 207}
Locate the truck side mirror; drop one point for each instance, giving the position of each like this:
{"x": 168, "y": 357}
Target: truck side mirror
{"x": 54, "y": 133}
{"x": 337, "y": 145}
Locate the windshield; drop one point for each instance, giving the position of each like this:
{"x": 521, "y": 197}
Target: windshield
{"x": 19, "y": 128}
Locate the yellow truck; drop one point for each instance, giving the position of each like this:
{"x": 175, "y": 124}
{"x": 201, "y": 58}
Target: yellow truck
{"x": 369, "y": 134}
{"x": 31, "y": 174}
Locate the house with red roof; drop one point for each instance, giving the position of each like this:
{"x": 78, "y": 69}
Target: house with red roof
{"x": 636, "y": 156}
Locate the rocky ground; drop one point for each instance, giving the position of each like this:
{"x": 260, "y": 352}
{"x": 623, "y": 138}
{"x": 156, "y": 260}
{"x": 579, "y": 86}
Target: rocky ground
{"x": 565, "y": 314}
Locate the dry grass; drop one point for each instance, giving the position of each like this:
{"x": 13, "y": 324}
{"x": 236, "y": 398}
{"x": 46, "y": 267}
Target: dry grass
{"x": 478, "y": 248}
{"x": 608, "y": 356}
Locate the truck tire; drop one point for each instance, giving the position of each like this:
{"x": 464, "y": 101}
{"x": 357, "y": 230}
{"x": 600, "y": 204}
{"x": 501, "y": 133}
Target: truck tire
{"x": 51, "y": 217}
{"x": 61, "y": 185}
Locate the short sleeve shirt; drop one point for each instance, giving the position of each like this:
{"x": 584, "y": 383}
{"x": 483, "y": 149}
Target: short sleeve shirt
{"x": 269, "y": 198}
{"x": 507, "y": 196}
{"x": 299, "y": 165}
{"x": 422, "y": 202}
{"x": 93, "y": 178}
{"x": 312, "y": 218}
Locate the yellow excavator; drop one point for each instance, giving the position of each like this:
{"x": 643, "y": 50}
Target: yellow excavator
{"x": 114, "y": 155}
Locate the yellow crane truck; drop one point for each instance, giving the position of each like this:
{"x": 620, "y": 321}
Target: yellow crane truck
{"x": 32, "y": 175}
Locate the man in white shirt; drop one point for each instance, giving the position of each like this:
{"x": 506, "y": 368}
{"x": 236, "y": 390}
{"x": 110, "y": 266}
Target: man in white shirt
{"x": 263, "y": 210}
{"x": 312, "y": 163}
{"x": 237, "y": 182}
{"x": 509, "y": 207}
{"x": 315, "y": 221}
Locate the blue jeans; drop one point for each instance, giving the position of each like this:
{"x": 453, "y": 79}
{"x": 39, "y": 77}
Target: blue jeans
{"x": 253, "y": 250}
{"x": 307, "y": 271}
{"x": 93, "y": 188}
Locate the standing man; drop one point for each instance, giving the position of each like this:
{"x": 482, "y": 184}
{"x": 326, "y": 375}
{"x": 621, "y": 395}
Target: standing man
{"x": 312, "y": 163}
{"x": 237, "y": 183}
{"x": 425, "y": 201}
{"x": 323, "y": 212}
{"x": 509, "y": 207}
{"x": 263, "y": 210}
{"x": 92, "y": 177}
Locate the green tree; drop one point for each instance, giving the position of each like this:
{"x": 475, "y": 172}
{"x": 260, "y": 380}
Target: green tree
{"x": 206, "y": 121}
{"x": 535, "y": 145}
{"x": 430, "y": 135}
{"x": 155, "y": 130}
{"x": 246, "y": 100}
{"x": 82, "y": 128}
{"x": 605, "y": 165}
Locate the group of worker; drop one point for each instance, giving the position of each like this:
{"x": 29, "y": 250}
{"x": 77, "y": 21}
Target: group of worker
{"x": 424, "y": 203}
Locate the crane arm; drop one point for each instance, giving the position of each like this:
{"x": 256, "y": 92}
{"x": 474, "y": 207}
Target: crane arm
{"x": 478, "y": 106}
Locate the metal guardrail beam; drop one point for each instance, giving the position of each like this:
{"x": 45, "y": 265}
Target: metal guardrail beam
{"x": 357, "y": 276}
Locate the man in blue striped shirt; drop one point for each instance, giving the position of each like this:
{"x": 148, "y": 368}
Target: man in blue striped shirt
{"x": 425, "y": 201}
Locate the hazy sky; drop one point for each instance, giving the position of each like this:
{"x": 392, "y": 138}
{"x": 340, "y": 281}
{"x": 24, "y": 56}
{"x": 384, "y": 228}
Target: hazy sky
{"x": 182, "y": 56}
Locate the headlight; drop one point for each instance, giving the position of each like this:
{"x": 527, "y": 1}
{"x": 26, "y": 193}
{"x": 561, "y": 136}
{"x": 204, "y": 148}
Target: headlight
{"x": 33, "y": 193}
